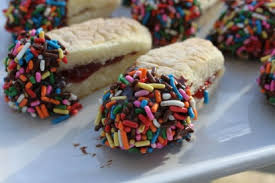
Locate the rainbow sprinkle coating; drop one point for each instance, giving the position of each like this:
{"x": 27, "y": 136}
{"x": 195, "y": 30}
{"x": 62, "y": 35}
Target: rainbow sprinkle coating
{"x": 33, "y": 14}
{"x": 246, "y": 28}
{"x": 32, "y": 83}
{"x": 168, "y": 20}
{"x": 266, "y": 80}
{"x": 143, "y": 112}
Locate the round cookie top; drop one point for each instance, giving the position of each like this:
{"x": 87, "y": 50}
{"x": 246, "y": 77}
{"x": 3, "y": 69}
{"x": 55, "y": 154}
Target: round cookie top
{"x": 32, "y": 83}
{"x": 246, "y": 28}
{"x": 33, "y": 14}
{"x": 266, "y": 80}
{"x": 168, "y": 20}
{"x": 142, "y": 112}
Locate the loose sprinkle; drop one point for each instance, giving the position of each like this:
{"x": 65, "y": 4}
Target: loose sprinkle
{"x": 147, "y": 118}
{"x": 31, "y": 84}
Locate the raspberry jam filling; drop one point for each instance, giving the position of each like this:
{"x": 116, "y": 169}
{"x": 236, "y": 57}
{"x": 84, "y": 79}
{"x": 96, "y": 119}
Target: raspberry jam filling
{"x": 200, "y": 92}
{"x": 82, "y": 72}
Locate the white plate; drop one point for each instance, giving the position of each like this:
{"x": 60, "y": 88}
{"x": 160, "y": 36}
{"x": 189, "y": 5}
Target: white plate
{"x": 234, "y": 132}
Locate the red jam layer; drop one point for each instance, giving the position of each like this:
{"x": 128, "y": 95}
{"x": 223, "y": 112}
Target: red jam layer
{"x": 82, "y": 72}
{"x": 200, "y": 92}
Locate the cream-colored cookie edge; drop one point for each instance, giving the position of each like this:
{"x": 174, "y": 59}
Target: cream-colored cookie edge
{"x": 101, "y": 78}
{"x": 99, "y": 40}
{"x": 195, "y": 59}
{"x": 77, "y": 7}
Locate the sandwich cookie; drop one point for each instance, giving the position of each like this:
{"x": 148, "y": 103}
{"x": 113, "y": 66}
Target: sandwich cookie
{"x": 194, "y": 62}
{"x": 46, "y": 74}
{"x": 154, "y": 102}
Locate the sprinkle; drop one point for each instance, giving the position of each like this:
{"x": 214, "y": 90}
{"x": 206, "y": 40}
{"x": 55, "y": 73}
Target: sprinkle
{"x": 172, "y": 83}
{"x": 44, "y": 111}
{"x": 120, "y": 139}
{"x": 23, "y": 78}
{"x": 30, "y": 65}
{"x": 49, "y": 90}
{"x": 193, "y": 103}
{"x": 73, "y": 97}
{"x": 205, "y": 94}
{"x": 60, "y": 119}
{"x": 112, "y": 116}
{"x": 149, "y": 113}
{"x": 142, "y": 143}
{"x": 124, "y": 140}
{"x": 116, "y": 139}
{"x": 130, "y": 124}
{"x": 60, "y": 111}
{"x": 179, "y": 116}
{"x": 145, "y": 86}
{"x": 23, "y": 51}
{"x": 61, "y": 54}
{"x": 143, "y": 103}
{"x": 157, "y": 86}
{"x": 156, "y": 123}
{"x": 38, "y": 77}
{"x": 20, "y": 98}
{"x": 38, "y": 110}
{"x": 24, "y": 109}
{"x": 155, "y": 107}
{"x": 178, "y": 109}
{"x": 123, "y": 80}
{"x": 191, "y": 113}
{"x": 98, "y": 118}
{"x": 137, "y": 103}
{"x": 119, "y": 98}
{"x": 144, "y": 120}
{"x": 28, "y": 85}
{"x": 129, "y": 78}
{"x": 42, "y": 65}
{"x": 110, "y": 140}
{"x": 158, "y": 96}
{"x": 183, "y": 93}
{"x": 31, "y": 93}
{"x": 118, "y": 93}
{"x": 23, "y": 102}
{"x": 110, "y": 104}
{"x": 45, "y": 75}
{"x": 172, "y": 103}
{"x": 35, "y": 103}
{"x": 141, "y": 93}
{"x": 169, "y": 134}
{"x": 166, "y": 96}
